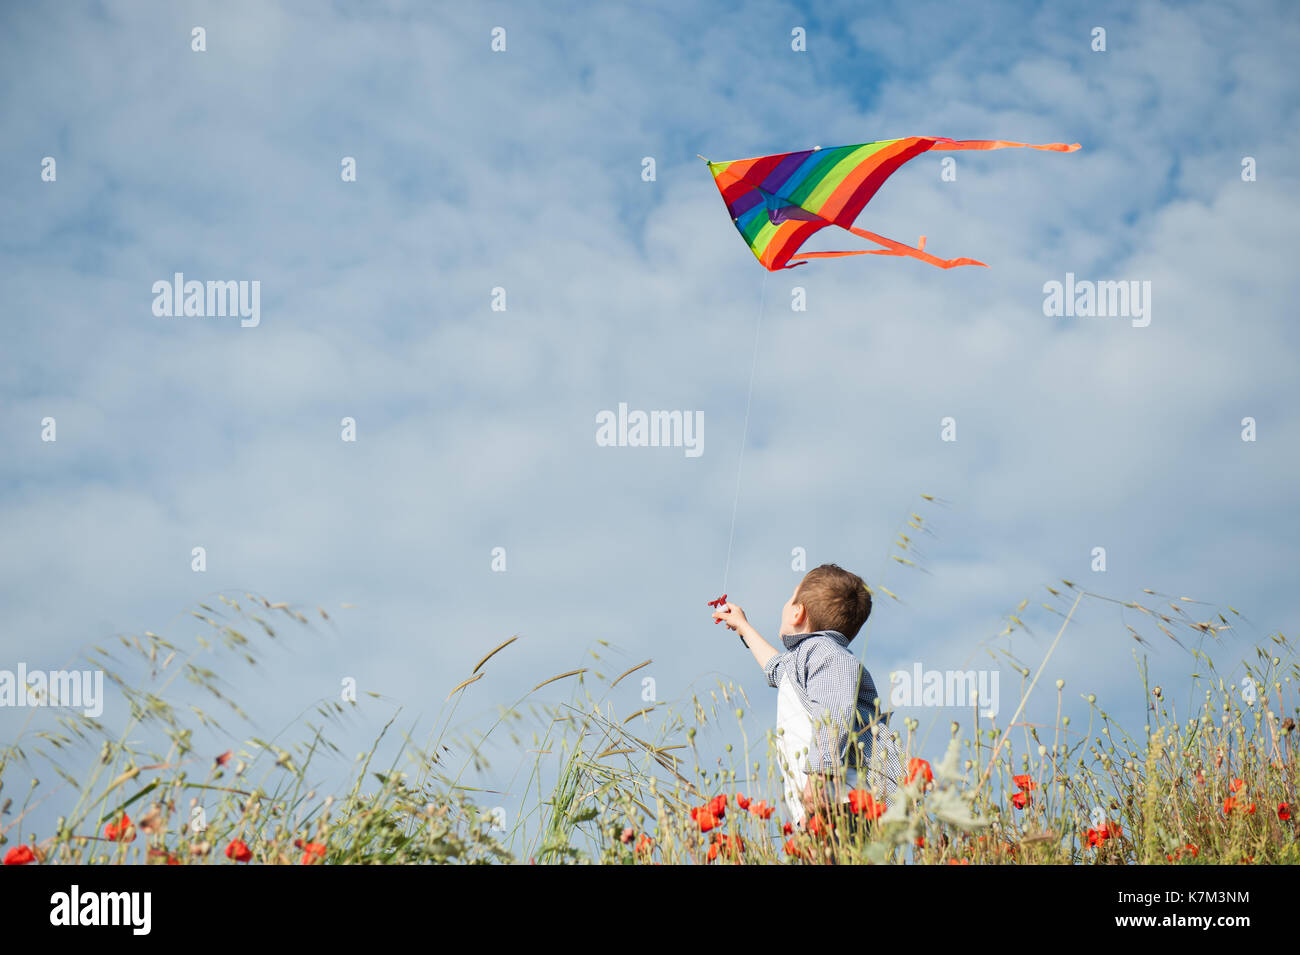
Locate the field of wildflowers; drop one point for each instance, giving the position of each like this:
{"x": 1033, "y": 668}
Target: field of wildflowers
{"x": 1217, "y": 785}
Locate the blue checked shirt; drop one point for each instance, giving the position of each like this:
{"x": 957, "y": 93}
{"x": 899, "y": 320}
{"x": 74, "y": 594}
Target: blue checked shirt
{"x": 838, "y": 696}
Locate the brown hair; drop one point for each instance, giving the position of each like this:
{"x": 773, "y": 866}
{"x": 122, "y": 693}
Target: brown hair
{"x": 834, "y": 599}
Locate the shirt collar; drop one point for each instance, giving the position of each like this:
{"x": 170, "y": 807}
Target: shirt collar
{"x": 792, "y": 640}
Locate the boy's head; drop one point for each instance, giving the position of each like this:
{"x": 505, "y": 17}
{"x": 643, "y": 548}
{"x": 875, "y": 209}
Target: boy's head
{"x": 828, "y": 598}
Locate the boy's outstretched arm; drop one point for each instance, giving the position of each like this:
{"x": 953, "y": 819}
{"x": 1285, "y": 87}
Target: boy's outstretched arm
{"x": 735, "y": 619}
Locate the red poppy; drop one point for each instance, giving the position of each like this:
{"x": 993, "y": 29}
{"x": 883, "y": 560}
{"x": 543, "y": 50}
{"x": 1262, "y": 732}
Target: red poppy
{"x": 1236, "y": 785}
{"x": 1283, "y": 811}
{"x": 1189, "y": 849}
{"x": 123, "y": 831}
{"x": 718, "y": 805}
{"x": 742, "y": 800}
{"x": 959, "y": 861}
{"x": 920, "y": 842}
{"x": 791, "y": 847}
{"x": 1021, "y": 800}
{"x": 1107, "y": 830}
{"x": 19, "y": 855}
{"x": 239, "y": 851}
{"x": 1024, "y": 782}
{"x": 1178, "y": 853}
{"x": 762, "y": 809}
{"x": 704, "y": 819}
{"x": 311, "y": 851}
{"x": 787, "y": 829}
{"x": 645, "y": 843}
{"x": 732, "y": 845}
{"x": 163, "y": 854}
{"x": 818, "y": 827}
{"x": 862, "y": 803}
{"x": 915, "y": 766}
{"x": 224, "y": 758}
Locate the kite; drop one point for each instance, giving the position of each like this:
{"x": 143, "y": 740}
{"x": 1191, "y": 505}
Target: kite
{"x": 778, "y": 202}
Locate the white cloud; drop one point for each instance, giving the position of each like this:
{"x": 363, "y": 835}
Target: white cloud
{"x": 477, "y": 427}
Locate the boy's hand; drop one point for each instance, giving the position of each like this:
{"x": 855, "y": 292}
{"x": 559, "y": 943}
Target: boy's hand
{"x": 810, "y": 802}
{"x": 732, "y": 616}
{"x": 820, "y": 795}
{"x": 735, "y": 619}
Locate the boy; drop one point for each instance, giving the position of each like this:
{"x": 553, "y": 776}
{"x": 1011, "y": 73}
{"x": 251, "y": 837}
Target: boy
{"x": 826, "y": 705}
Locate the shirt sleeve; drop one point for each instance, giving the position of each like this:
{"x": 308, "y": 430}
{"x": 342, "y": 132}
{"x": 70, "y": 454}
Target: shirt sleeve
{"x": 774, "y": 669}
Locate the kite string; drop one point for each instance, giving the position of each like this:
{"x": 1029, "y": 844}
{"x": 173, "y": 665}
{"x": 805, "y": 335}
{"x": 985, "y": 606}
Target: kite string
{"x": 744, "y": 434}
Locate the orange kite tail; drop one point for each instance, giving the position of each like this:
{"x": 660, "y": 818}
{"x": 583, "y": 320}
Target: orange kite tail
{"x": 891, "y": 247}
{"x": 944, "y": 143}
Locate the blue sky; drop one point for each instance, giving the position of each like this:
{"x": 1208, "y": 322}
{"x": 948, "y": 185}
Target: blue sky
{"x": 476, "y": 428}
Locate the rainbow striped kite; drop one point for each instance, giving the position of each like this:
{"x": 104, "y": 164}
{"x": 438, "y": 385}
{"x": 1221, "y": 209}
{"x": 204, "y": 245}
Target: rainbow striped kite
{"x": 778, "y": 202}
